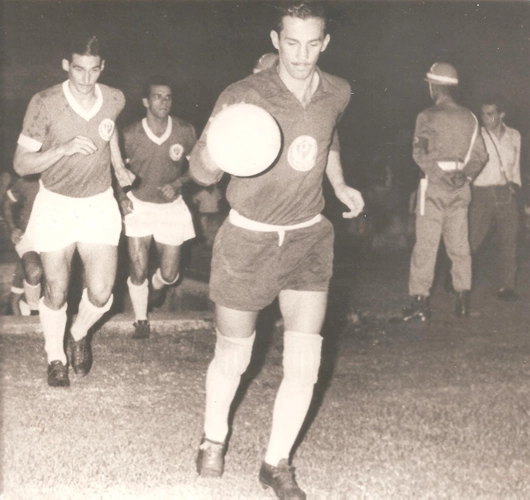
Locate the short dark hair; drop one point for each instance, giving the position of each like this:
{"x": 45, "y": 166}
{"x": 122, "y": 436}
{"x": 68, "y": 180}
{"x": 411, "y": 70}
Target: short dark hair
{"x": 496, "y": 100}
{"x": 84, "y": 45}
{"x": 155, "y": 80}
{"x": 301, "y": 10}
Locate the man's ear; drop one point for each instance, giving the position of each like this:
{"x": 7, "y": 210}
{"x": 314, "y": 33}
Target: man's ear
{"x": 102, "y": 65}
{"x": 275, "y": 39}
{"x": 327, "y": 38}
{"x": 66, "y": 64}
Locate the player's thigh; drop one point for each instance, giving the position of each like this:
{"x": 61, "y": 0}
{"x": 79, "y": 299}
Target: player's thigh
{"x": 169, "y": 256}
{"x": 100, "y": 264}
{"x": 56, "y": 265}
{"x": 138, "y": 250}
{"x": 303, "y": 311}
{"x": 235, "y": 323}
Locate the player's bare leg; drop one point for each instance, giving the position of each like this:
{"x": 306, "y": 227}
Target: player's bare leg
{"x": 52, "y": 309}
{"x": 32, "y": 279}
{"x": 167, "y": 274}
{"x": 138, "y": 284}
{"x": 100, "y": 264}
{"x": 235, "y": 338}
{"x": 303, "y": 314}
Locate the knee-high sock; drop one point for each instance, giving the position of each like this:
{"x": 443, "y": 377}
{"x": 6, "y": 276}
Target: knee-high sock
{"x": 158, "y": 282}
{"x": 32, "y": 295}
{"x": 231, "y": 359}
{"x": 88, "y": 314}
{"x": 139, "y": 296}
{"x": 53, "y": 325}
{"x": 301, "y": 362}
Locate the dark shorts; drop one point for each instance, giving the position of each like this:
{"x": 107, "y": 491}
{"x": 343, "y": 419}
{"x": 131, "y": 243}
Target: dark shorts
{"x": 250, "y": 269}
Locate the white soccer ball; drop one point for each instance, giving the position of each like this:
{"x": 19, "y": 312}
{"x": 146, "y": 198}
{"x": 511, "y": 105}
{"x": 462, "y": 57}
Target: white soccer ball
{"x": 244, "y": 139}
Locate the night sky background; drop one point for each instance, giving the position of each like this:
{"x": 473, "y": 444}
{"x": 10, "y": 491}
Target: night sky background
{"x": 382, "y": 48}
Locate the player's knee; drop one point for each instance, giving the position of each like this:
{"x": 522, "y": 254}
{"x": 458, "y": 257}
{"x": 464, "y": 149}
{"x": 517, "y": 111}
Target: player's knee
{"x": 301, "y": 357}
{"x": 232, "y": 354}
{"x": 99, "y": 296}
{"x": 33, "y": 274}
{"x": 55, "y": 295}
{"x": 168, "y": 277}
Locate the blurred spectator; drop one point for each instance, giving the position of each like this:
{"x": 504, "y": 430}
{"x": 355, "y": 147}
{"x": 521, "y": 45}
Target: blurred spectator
{"x": 16, "y": 207}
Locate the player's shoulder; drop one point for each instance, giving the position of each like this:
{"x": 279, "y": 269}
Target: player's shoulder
{"x": 181, "y": 124}
{"x": 513, "y": 132}
{"x": 50, "y": 94}
{"x": 112, "y": 93}
{"x": 133, "y": 128}
{"x": 336, "y": 84}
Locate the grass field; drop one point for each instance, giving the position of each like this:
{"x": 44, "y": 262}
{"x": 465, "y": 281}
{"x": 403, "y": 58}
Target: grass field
{"x": 438, "y": 410}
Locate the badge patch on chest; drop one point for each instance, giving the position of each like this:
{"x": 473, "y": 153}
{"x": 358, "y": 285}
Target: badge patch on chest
{"x": 106, "y": 128}
{"x": 302, "y": 153}
{"x": 175, "y": 152}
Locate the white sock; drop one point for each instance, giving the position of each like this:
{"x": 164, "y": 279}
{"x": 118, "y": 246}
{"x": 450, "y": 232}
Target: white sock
{"x": 32, "y": 295}
{"x": 158, "y": 282}
{"x": 301, "y": 362}
{"x": 88, "y": 314}
{"x": 53, "y": 325}
{"x": 231, "y": 359}
{"x": 139, "y": 296}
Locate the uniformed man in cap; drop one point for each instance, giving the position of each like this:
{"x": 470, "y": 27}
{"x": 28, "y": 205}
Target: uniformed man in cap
{"x": 449, "y": 149}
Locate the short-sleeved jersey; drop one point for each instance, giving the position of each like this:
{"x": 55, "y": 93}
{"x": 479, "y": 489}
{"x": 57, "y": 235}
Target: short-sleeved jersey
{"x": 157, "y": 160}
{"x": 444, "y": 132}
{"x": 54, "y": 117}
{"x": 290, "y": 191}
{"x": 23, "y": 192}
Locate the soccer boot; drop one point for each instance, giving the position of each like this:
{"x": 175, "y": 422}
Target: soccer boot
{"x": 80, "y": 355}
{"x": 58, "y": 374}
{"x": 211, "y": 458}
{"x": 462, "y": 304}
{"x": 142, "y": 329}
{"x": 418, "y": 310}
{"x": 281, "y": 480}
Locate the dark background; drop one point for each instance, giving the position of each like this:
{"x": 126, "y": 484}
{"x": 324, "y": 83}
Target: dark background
{"x": 382, "y": 48}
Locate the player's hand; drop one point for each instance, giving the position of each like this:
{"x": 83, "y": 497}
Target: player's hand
{"x": 352, "y": 198}
{"x": 126, "y": 206}
{"x": 124, "y": 176}
{"x": 79, "y": 145}
{"x": 16, "y": 236}
{"x": 169, "y": 192}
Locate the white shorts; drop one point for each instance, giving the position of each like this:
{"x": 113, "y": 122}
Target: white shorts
{"x": 57, "y": 221}
{"x": 25, "y": 245}
{"x": 168, "y": 223}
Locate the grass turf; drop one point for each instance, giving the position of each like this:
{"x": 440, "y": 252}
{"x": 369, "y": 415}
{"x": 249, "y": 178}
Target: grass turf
{"x": 437, "y": 410}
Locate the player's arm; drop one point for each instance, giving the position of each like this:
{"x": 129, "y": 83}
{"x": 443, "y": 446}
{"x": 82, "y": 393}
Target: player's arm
{"x": 477, "y": 160}
{"x": 124, "y": 176}
{"x": 7, "y": 208}
{"x": 350, "y": 197}
{"x": 27, "y": 161}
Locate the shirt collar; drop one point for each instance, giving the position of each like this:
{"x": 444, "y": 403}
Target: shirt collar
{"x": 153, "y": 136}
{"x": 87, "y": 114}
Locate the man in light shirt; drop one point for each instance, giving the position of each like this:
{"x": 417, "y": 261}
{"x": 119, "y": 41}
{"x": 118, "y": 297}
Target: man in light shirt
{"x": 495, "y": 192}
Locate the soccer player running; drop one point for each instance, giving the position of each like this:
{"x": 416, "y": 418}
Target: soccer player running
{"x": 68, "y": 137}
{"x": 156, "y": 148}
{"x": 276, "y": 242}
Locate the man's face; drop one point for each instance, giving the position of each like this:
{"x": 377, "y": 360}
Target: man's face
{"x": 490, "y": 115}
{"x": 83, "y": 72}
{"x": 158, "y": 103}
{"x": 299, "y": 45}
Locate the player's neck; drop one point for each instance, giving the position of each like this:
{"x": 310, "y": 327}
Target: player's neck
{"x": 157, "y": 125}
{"x": 302, "y": 89}
{"x": 86, "y": 101}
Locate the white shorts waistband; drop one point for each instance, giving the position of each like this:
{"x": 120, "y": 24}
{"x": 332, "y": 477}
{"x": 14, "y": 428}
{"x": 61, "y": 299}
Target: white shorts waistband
{"x": 240, "y": 221}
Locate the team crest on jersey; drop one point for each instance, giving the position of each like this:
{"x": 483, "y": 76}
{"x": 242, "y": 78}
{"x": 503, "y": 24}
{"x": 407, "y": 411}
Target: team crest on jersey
{"x": 106, "y": 128}
{"x": 302, "y": 153}
{"x": 175, "y": 152}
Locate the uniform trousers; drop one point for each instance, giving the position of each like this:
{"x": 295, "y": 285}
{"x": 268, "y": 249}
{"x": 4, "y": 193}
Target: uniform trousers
{"x": 496, "y": 206}
{"x": 442, "y": 213}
